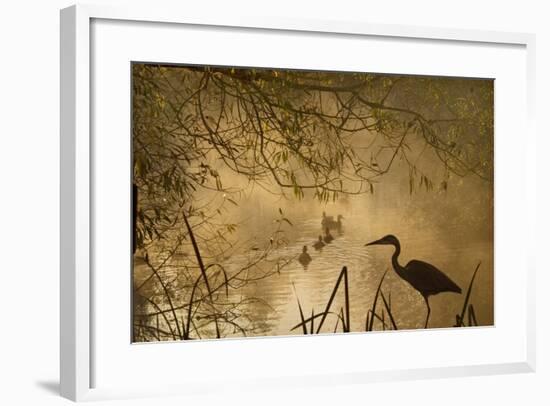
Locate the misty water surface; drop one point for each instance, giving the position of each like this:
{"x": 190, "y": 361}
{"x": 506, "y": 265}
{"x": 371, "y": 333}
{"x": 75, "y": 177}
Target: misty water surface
{"x": 452, "y": 247}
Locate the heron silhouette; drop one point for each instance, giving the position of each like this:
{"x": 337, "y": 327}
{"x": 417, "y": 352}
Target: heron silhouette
{"x": 424, "y": 277}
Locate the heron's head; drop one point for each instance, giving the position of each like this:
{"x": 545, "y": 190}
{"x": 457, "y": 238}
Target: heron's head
{"x": 387, "y": 240}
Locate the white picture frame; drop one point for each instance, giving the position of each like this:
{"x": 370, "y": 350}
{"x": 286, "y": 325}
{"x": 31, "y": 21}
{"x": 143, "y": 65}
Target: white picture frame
{"x": 77, "y": 355}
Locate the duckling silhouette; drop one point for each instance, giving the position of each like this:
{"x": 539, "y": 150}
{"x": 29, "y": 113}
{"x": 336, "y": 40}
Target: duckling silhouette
{"x": 328, "y": 236}
{"x": 304, "y": 257}
{"x": 319, "y": 244}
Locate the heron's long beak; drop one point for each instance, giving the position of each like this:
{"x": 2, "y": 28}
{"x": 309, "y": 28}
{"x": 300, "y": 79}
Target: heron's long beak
{"x": 374, "y": 243}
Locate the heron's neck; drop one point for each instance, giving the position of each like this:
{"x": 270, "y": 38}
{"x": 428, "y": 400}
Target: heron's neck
{"x": 394, "y": 260}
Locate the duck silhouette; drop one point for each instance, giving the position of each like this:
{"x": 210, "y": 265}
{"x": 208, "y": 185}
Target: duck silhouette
{"x": 304, "y": 257}
{"x": 328, "y": 236}
{"x": 326, "y": 219}
{"x": 330, "y": 223}
{"x": 319, "y": 244}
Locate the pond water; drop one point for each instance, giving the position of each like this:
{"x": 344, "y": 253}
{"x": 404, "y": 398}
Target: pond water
{"x": 273, "y": 307}
{"x": 313, "y": 284}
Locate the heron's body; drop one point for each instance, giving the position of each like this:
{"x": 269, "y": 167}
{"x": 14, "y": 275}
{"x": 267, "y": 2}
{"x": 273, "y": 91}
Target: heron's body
{"x": 422, "y": 276}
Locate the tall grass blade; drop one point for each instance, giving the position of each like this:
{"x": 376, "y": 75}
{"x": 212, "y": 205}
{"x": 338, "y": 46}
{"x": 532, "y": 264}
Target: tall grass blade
{"x": 346, "y": 297}
{"x": 345, "y": 329}
{"x": 172, "y": 332}
{"x": 304, "y": 329}
{"x": 190, "y": 310}
{"x": 380, "y": 319}
{"x": 472, "y": 320}
{"x": 373, "y": 310}
{"x": 167, "y": 295}
{"x": 333, "y": 294}
{"x": 308, "y": 320}
{"x": 467, "y": 297}
{"x": 388, "y": 309}
{"x": 202, "y": 268}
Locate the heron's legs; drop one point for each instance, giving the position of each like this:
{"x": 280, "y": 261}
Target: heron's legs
{"x": 429, "y": 310}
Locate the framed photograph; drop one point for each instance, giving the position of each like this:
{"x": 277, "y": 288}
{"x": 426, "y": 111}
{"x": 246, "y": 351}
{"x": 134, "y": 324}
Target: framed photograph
{"x": 280, "y": 202}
